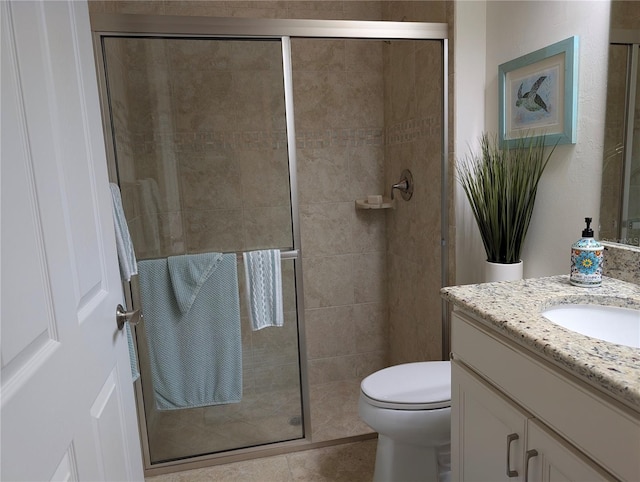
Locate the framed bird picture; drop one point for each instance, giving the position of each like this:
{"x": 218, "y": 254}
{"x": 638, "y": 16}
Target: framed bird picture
{"x": 538, "y": 95}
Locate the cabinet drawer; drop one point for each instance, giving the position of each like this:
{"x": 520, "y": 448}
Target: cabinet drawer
{"x": 608, "y": 434}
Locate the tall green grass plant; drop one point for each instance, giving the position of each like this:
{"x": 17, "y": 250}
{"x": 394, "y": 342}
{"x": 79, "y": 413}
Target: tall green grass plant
{"x": 501, "y": 183}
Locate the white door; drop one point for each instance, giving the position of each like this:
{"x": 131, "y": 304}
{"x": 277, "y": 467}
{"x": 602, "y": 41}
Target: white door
{"x": 67, "y": 397}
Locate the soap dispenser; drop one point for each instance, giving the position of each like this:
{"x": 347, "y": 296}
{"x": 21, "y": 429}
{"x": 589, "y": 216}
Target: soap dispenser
{"x": 586, "y": 260}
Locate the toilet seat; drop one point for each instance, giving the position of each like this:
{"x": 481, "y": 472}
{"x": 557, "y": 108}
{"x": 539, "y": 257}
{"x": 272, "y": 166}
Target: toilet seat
{"x": 410, "y": 386}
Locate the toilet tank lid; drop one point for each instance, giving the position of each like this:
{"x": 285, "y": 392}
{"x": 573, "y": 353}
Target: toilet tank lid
{"x": 410, "y": 383}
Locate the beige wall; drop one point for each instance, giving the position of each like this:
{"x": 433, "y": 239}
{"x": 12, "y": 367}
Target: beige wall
{"x": 570, "y": 187}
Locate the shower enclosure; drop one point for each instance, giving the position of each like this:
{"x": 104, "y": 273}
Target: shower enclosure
{"x": 235, "y": 135}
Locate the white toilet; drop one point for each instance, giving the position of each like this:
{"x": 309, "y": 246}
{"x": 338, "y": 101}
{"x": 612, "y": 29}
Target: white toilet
{"x": 409, "y": 405}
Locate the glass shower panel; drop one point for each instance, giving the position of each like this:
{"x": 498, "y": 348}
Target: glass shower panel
{"x": 199, "y": 134}
{"x": 633, "y": 188}
{"x": 620, "y": 200}
{"x": 613, "y": 163}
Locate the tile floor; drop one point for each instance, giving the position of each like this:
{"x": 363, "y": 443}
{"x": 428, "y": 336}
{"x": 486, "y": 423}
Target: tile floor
{"x": 351, "y": 462}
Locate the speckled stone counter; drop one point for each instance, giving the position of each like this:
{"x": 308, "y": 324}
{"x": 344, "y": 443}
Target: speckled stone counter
{"x": 514, "y": 309}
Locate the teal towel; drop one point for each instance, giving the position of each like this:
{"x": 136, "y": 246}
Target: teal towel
{"x": 188, "y": 274}
{"x": 192, "y": 319}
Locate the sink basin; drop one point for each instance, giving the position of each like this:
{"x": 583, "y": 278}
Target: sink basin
{"x": 608, "y": 323}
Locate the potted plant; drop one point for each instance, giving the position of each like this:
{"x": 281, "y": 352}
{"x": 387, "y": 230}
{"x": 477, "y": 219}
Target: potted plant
{"x": 500, "y": 183}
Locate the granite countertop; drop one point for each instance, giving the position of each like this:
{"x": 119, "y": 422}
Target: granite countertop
{"x": 513, "y": 308}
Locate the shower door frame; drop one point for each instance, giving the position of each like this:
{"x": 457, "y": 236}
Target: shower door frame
{"x": 167, "y": 26}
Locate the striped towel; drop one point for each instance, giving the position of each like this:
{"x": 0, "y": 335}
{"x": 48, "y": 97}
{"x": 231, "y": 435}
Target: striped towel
{"x": 264, "y": 288}
{"x": 192, "y": 320}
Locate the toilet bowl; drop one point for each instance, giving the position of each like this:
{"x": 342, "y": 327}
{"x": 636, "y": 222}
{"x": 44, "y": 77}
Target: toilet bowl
{"x": 409, "y": 405}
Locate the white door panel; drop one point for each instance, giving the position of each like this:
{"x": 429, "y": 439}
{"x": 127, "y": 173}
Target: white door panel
{"x": 67, "y": 397}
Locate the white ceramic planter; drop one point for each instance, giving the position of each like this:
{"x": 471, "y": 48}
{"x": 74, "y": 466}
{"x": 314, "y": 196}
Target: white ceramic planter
{"x": 502, "y": 272}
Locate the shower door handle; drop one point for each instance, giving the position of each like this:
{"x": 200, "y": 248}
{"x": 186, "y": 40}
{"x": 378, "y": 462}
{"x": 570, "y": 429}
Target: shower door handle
{"x": 123, "y": 316}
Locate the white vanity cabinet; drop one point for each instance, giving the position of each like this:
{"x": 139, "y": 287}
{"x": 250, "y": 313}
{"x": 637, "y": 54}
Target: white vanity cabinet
{"x": 499, "y": 441}
{"x": 517, "y": 417}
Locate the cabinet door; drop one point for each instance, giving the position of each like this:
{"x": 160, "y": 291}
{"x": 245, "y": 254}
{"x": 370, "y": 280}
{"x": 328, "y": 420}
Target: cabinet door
{"x": 551, "y": 459}
{"x": 488, "y": 432}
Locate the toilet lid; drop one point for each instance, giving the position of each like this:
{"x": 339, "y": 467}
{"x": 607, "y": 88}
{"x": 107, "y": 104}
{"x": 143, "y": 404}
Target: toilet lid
{"x": 410, "y": 386}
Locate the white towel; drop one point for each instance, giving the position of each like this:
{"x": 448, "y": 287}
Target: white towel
{"x": 126, "y": 255}
{"x": 263, "y": 274}
{"x": 127, "y": 262}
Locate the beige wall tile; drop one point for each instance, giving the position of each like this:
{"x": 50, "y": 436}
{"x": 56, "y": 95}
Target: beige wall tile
{"x": 366, "y": 170}
{"x": 203, "y": 102}
{"x": 371, "y": 327}
{"x": 323, "y": 228}
{"x": 324, "y": 370}
{"x": 276, "y": 346}
{"x": 324, "y": 175}
{"x": 371, "y": 362}
{"x": 328, "y": 281}
{"x": 265, "y": 177}
{"x": 370, "y": 277}
{"x": 210, "y": 180}
{"x": 330, "y": 332}
{"x": 369, "y": 231}
{"x": 217, "y": 231}
{"x": 318, "y": 105}
{"x": 274, "y": 378}
{"x": 364, "y": 56}
{"x": 314, "y": 55}
{"x": 363, "y": 10}
{"x": 226, "y": 8}
{"x": 265, "y": 228}
{"x": 325, "y": 9}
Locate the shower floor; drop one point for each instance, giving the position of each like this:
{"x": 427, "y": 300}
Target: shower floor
{"x": 334, "y": 411}
{"x": 198, "y": 431}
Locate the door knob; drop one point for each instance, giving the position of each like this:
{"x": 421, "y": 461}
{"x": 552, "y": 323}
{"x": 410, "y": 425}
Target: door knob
{"x": 123, "y": 316}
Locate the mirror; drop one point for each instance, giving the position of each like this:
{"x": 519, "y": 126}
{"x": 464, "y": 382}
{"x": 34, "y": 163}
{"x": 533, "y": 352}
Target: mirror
{"x": 620, "y": 198}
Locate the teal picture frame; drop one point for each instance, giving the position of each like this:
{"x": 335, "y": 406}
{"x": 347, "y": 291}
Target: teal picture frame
{"x": 538, "y": 95}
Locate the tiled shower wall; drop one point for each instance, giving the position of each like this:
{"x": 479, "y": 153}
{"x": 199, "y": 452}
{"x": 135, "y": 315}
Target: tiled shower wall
{"x": 205, "y": 127}
{"x": 338, "y": 98}
{"x": 413, "y": 106}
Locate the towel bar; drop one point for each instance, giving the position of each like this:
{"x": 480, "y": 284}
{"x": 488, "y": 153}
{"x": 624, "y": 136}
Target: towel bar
{"x": 290, "y": 254}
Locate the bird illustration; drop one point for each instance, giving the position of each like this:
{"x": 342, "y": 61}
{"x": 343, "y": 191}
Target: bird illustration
{"x": 531, "y": 100}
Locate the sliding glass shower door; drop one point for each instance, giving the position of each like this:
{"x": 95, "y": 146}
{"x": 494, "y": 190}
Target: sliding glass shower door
{"x": 620, "y": 202}
{"x": 200, "y": 141}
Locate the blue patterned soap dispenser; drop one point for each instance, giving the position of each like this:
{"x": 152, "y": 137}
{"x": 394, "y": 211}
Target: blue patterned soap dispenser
{"x": 586, "y": 260}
